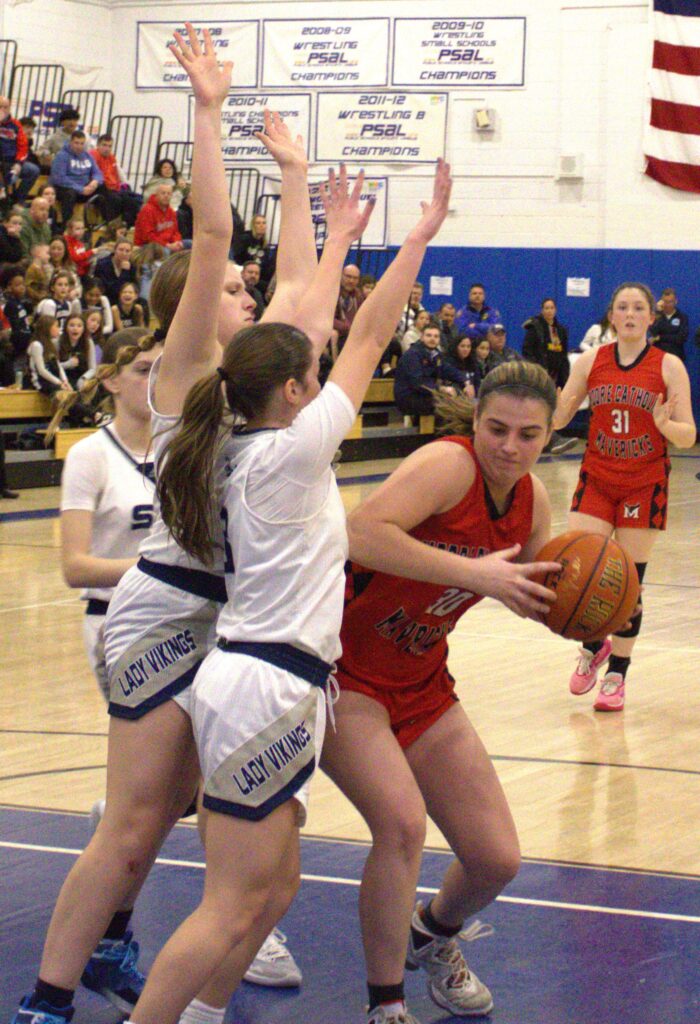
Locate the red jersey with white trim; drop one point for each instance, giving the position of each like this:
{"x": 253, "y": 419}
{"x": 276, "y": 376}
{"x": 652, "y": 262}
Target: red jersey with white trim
{"x": 394, "y": 629}
{"x": 624, "y": 443}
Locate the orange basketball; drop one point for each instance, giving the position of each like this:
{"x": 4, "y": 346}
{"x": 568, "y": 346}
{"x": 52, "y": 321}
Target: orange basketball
{"x": 597, "y": 589}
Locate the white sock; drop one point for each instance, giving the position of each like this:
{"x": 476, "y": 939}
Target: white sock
{"x": 200, "y": 1013}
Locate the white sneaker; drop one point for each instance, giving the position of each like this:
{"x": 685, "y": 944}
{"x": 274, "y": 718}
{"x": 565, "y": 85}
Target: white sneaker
{"x": 450, "y": 982}
{"x": 380, "y": 1015}
{"x": 96, "y": 814}
{"x": 274, "y": 965}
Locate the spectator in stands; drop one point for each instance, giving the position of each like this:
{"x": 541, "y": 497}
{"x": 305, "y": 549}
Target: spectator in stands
{"x": 60, "y": 305}
{"x": 500, "y": 351}
{"x": 166, "y": 173}
{"x": 460, "y": 356}
{"x": 349, "y": 301}
{"x": 115, "y": 270}
{"x": 94, "y": 325}
{"x": 482, "y": 350}
{"x": 414, "y": 332}
{"x": 18, "y": 311}
{"x": 145, "y": 262}
{"x": 77, "y": 250}
{"x": 76, "y": 351}
{"x": 128, "y": 311}
{"x": 422, "y": 370}
{"x": 29, "y": 127}
{"x": 94, "y": 300}
{"x": 411, "y": 310}
{"x": 60, "y": 260}
{"x": 16, "y": 170}
{"x": 602, "y": 333}
{"x": 35, "y": 229}
{"x": 157, "y": 221}
{"x": 448, "y": 329}
{"x": 48, "y": 192}
{"x": 368, "y": 283}
{"x": 253, "y": 245}
{"x": 119, "y": 200}
{"x": 74, "y": 174}
{"x": 251, "y": 278}
{"x": 68, "y": 121}
{"x": 476, "y": 315}
{"x": 11, "y": 254}
{"x": 44, "y": 371}
{"x": 547, "y": 343}
{"x": 38, "y": 276}
{"x": 7, "y": 354}
{"x": 669, "y": 332}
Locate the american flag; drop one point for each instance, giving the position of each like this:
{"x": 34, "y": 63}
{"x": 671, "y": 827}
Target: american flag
{"x": 672, "y": 142}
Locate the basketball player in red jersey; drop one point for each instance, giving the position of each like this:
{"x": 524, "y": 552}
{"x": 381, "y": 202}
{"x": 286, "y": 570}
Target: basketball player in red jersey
{"x": 640, "y": 399}
{"x": 403, "y": 742}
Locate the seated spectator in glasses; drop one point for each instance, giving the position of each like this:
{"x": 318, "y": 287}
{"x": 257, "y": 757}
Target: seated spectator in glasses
{"x": 119, "y": 200}
{"x": 422, "y": 370}
{"x": 157, "y": 221}
{"x": 10, "y": 244}
{"x": 18, "y": 172}
{"x": 251, "y": 279}
{"x": 448, "y": 329}
{"x": 602, "y": 333}
{"x": 35, "y": 229}
{"x": 166, "y": 173}
{"x": 74, "y": 174}
{"x": 460, "y": 357}
{"x": 54, "y": 220}
{"x": 500, "y": 352}
{"x": 68, "y": 121}
{"x": 349, "y": 301}
{"x": 253, "y": 245}
{"x": 477, "y": 317}
{"x": 669, "y": 332}
{"x": 18, "y": 311}
{"x": 411, "y": 310}
{"x": 414, "y": 332}
{"x": 115, "y": 270}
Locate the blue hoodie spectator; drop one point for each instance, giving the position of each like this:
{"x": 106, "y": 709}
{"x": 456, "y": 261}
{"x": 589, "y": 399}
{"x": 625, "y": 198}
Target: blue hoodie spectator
{"x": 74, "y": 174}
{"x": 423, "y": 367}
{"x": 476, "y": 317}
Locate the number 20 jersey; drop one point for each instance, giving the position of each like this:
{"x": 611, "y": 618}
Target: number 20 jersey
{"x": 624, "y": 443}
{"x": 394, "y": 629}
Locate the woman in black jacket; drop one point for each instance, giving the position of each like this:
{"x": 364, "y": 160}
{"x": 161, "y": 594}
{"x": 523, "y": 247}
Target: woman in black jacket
{"x": 547, "y": 343}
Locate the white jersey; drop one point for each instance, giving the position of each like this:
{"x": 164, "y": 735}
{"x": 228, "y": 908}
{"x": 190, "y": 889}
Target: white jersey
{"x": 102, "y": 476}
{"x": 285, "y": 526}
{"x": 160, "y": 546}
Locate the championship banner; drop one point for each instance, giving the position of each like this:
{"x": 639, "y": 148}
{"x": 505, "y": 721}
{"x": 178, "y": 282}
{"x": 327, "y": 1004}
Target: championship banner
{"x": 242, "y": 116}
{"x": 374, "y": 127}
{"x": 459, "y": 51}
{"x": 326, "y": 52}
{"x": 156, "y": 68}
{"x": 377, "y": 188}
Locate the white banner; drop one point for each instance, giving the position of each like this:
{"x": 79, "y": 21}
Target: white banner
{"x": 156, "y": 68}
{"x": 376, "y": 188}
{"x": 325, "y": 53}
{"x": 459, "y": 51}
{"x": 376, "y": 127}
{"x": 242, "y": 116}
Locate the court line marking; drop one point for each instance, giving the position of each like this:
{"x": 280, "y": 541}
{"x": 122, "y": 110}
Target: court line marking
{"x": 335, "y": 880}
{"x": 41, "y": 604}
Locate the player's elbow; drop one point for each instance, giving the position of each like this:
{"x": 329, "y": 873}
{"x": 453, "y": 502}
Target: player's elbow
{"x": 73, "y": 571}
{"x": 361, "y": 529}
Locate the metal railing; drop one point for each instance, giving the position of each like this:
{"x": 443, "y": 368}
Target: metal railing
{"x": 35, "y": 91}
{"x": 94, "y": 107}
{"x": 8, "y": 56}
{"x": 136, "y": 142}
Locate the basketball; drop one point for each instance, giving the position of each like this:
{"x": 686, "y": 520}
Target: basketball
{"x": 597, "y": 589}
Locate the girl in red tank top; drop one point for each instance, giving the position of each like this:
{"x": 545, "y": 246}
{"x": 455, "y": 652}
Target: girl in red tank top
{"x": 459, "y": 520}
{"x": 640, "y": 400}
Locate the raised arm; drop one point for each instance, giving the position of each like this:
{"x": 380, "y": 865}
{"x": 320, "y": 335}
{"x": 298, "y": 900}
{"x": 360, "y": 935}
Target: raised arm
{"x": 296, "y": 249}
{"x": 376, "y": 319}
{"x": 191, "y": 349}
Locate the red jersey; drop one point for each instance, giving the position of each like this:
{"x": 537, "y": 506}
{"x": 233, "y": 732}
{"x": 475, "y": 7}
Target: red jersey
{"x": 394, "y": 629}
{"x": 624, "y": 443}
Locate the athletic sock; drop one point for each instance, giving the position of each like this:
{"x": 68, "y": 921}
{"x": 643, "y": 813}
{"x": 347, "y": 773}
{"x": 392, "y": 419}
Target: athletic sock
{"x": 199, "y": 1013}
{"x": 389, "y": 996}
{"x": 618, "y": 664}
{"x": 57, "y": 997}
{"x": 116, "y": 929}
{"x": 435, "y": 927}
{"x": 593, "y": 646}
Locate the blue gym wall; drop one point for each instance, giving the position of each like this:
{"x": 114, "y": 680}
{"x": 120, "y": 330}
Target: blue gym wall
{"x": 516, "y": 280}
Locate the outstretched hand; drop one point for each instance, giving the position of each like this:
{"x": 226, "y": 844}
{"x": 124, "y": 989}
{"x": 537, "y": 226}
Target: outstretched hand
{"x": 345, "y": 219}
{"x": 210, "y": 80}
{"x": 435, "y": 211}
{"x": 277, "y": 139}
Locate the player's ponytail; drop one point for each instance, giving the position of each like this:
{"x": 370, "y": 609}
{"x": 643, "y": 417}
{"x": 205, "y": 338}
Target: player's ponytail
{"x": 456, "y": 413}
{"x": 256, "y": 362}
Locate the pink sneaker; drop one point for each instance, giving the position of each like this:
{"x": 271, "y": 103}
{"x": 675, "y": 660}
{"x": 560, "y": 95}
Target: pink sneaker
{"x": 612, "y": 693}
{"x": 586, "y": 674}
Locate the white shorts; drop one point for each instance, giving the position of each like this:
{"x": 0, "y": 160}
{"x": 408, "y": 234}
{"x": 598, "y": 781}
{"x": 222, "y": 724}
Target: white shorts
{"x": 93, "y": 636}
{"x": 259, "y": 731}
{"x": 156, "y": 637}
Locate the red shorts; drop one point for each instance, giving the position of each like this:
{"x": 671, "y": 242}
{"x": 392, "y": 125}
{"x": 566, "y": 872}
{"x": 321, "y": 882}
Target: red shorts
{"x": 412, "y": 709}
{"x": 622, "y": 505}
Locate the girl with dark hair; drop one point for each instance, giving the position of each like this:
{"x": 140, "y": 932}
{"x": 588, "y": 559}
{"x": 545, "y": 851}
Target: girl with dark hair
{"x": 460, "y": 356}
{"x": 45, "y": 372}
{"x": 284, "y": 532}
{"x": 640, "y": 400}
{"x": 60, "y": 305}
{"x": 128, "y": 311}
{"x": 76, "y": 350}
{"x": 165, "y": 172}
{"x": 421, "y": 557}
{"x": 94, "y": 298}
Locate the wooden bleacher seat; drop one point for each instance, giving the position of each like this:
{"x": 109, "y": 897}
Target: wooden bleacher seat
{"x": 380, "y": 390}
{"x": 65, "y": 439}
{"x": 16, "y": 404}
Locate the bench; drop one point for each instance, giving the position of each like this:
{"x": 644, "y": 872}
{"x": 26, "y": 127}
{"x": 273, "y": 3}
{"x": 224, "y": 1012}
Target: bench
{"x": 65, "y": 439}
{"x": 16, "y": 404}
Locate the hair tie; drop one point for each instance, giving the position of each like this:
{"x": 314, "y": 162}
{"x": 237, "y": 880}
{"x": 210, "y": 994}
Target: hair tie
{"x": 222, "y": 373}
{"x": 159, "y": 334}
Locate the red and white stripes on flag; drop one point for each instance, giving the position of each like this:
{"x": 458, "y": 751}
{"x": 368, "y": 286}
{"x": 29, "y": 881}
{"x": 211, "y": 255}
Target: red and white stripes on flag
{"x": 672, "y": 141}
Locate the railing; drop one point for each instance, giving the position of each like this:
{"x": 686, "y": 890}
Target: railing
{"x": 94, "y": 107}
{"x": 35, "y": 91}
{"x": 136, "y": 142}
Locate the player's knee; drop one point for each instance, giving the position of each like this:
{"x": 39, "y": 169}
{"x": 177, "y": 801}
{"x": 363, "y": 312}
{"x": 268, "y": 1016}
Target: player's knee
{"x": 402, "y": 829}
{"x": 633, "y": 628}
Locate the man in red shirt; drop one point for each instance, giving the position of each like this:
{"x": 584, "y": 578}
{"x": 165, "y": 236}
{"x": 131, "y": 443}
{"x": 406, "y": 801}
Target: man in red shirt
{"x": 118, "y": 198}
{"x": 16, "y": 172}
{"x": 157, "y": 221}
